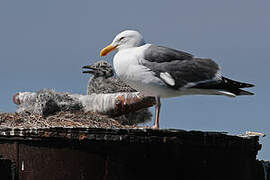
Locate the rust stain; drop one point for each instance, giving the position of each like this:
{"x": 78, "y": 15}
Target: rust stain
{"x": 15, "y": 99}
{"x": 46, "y": 134}
{"x": 82, "y": 137}
{"x": 121, "y": 99}
{"x": 127, "y": 101}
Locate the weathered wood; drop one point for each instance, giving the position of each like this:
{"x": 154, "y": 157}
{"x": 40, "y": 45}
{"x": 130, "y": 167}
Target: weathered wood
{"x": 95, "y": 153}
{"x": 114, "y": 104}
{"x": 7, "y": 169}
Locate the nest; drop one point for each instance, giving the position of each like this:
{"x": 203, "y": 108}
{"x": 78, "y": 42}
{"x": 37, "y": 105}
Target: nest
{"x": 60, "y": 119}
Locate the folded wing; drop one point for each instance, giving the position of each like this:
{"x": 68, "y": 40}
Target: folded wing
{"x": 178, "y": 69}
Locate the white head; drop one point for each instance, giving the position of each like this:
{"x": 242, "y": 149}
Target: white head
{"x": 125, "y": 39}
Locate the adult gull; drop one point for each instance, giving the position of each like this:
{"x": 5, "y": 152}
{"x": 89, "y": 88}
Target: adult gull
{"x": 163, "y": 72}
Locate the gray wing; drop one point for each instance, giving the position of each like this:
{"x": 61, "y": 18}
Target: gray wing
{"x": 163, "y": 54}
{"x": 178, "y": 69}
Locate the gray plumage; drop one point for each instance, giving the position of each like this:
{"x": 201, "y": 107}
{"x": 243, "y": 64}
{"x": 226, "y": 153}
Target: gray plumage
{"x": 47, "y": 102}
{"x": 162, "y": 54}
{"x": 103, "y": 81}
{"x": 182, "y": 70}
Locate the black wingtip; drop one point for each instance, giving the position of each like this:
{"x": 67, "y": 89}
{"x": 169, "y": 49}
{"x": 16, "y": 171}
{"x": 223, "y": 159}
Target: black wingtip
{"x": 243, "y": 92}
{"x": 250, "y": 85}
{"x": 237, "y": 84}
{"x": 244, "y": 85}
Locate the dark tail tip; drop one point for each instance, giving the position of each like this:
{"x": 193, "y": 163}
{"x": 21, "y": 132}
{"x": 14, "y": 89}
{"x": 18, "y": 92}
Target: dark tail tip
{"x": 243, "y": 92}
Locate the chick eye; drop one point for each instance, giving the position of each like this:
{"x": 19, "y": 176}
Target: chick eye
{"x": 121, "y": 38}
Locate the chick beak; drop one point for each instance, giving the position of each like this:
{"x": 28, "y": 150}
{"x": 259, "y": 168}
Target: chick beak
{"x": 89, "y": 71}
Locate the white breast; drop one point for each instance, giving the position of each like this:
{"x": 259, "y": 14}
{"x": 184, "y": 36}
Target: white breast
{"x": 124, "y": 58}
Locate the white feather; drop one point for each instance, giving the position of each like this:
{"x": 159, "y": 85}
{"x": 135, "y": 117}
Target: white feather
{"x": 167, "y": 78}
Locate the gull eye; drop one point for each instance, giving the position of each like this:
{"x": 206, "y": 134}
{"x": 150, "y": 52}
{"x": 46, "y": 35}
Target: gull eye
{"x": 121, "y": 38}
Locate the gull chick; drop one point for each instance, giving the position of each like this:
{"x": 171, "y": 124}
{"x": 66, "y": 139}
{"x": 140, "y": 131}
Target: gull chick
{"x": 103, "y": 81}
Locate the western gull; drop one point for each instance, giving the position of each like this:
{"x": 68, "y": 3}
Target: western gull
{"x": 163, "y": 72}
{"x": 103, "y": 81}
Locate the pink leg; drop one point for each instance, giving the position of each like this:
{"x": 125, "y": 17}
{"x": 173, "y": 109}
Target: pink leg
{"x": 157, "y": 111}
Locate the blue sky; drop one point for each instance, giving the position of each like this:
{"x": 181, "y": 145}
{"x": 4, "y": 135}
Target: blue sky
{"x": 44, "y": 44}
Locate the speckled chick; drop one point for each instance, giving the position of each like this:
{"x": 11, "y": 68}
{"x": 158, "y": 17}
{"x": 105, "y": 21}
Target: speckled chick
{"x": 103, "y": 81}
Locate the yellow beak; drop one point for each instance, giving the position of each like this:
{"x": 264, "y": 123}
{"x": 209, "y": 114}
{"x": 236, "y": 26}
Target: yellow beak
{"x": 107, "y": 49}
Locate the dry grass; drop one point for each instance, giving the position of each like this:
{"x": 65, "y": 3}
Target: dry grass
{"x": 60, "y": 119}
